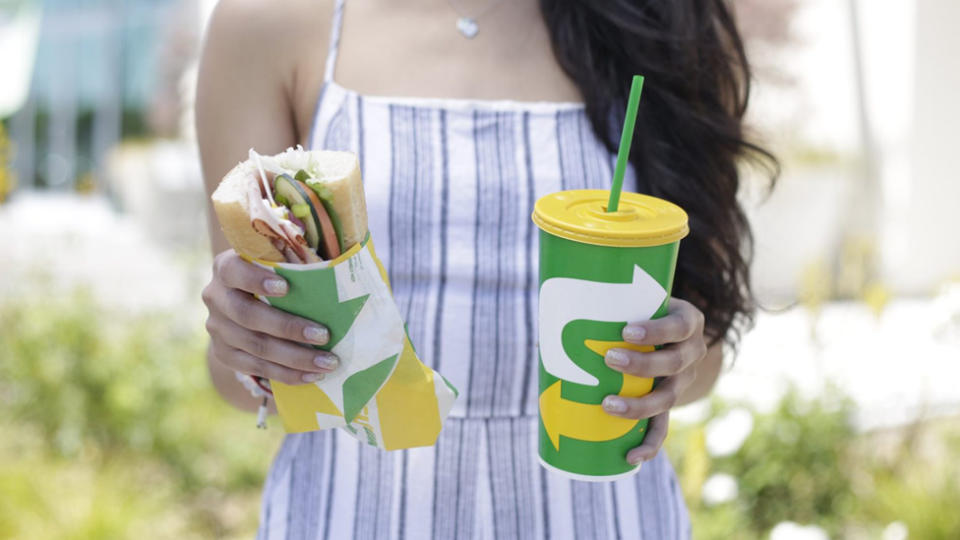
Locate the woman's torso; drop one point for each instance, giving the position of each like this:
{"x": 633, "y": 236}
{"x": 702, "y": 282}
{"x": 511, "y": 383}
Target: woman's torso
{"x": 450, "y": 185}
{"x": 382, "y": 54}
{"x": 450, "y": 181}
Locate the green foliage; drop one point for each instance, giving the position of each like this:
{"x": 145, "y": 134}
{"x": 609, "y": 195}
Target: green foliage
{"x": 804, "y": 462}
{"x": 727, "y": 521}
{"x": 793, "y": 465}
{"x": 69, "y": 499}
{"x": 114, "y": 428}
{"x": 927, "y": 504}
{"x": 918, "y": 483}
{"x": 7, "y": 179}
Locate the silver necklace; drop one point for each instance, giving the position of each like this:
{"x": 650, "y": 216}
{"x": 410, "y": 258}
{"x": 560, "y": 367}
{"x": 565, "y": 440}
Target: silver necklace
{"x": 467, "y": 24}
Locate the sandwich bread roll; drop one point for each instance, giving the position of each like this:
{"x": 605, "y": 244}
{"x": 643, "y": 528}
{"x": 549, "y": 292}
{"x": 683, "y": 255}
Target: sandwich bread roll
{"x": 232, "y": 206}
{"x": 340, "y": 173}
{"x": 267, "y": 205}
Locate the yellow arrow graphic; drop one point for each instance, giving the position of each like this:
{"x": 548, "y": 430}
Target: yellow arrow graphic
{"x": 298, "y": 406}
{"x": 585, "y": 421}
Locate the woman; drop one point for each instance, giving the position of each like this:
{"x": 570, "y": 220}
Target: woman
{"x": 459, "y": 127}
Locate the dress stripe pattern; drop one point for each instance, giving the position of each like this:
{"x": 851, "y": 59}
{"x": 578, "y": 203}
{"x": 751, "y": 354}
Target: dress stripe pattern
{"x": 450, "y": 187}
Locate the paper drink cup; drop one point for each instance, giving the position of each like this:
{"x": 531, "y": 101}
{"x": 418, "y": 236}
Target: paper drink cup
{"x": 598, "y": 271}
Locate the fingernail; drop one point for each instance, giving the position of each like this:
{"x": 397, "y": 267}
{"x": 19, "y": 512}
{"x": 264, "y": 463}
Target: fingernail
{"x": 635, "y": 458}
{"x": 617, "y": 358}
{"x": 275, "y": 286}
{"x": 311, "y": 377}
{"x": 634, "y": 333}
{"x": 316, "y": 334}
{"x": 614, "y": 404}
{"x": 326, "y": 361}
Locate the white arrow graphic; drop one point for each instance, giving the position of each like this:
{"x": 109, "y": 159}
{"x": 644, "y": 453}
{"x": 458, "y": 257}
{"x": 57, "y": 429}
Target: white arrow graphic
{"x": 563, "y": 300}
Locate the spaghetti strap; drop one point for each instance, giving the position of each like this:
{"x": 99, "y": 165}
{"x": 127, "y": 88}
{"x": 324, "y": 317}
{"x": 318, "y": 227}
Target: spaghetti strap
{"x": 334, "y": 41}
{"x": 449, "y": 186}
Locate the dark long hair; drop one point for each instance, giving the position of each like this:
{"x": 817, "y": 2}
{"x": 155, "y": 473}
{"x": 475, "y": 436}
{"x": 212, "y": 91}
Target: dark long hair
{"x": 689, "y": 138}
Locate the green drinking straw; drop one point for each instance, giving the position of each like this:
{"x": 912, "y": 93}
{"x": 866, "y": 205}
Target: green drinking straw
{"x": 626, "y": 139}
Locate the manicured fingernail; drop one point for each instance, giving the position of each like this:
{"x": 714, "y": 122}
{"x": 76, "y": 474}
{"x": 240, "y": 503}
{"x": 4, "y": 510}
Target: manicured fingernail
{"x": 634, "y": 333}
{"x": 614, "y": 404}
{"x": 316, "y": 334}
{"x": 275, "y": 286}
{"x": 617, "y": 358}
{"x": 311, "y": 377}
{"x": 635, "y": 458}
{"x": 326, "y": 361}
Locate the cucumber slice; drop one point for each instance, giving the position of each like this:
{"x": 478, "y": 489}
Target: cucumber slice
{"x": 286, "y": 188}
{"x": 325, "y": 196}
{"x": 300, "y": 210}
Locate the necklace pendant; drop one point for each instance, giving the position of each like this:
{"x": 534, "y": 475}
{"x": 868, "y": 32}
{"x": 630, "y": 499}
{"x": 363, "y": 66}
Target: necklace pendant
{"x": 468, "y": 27}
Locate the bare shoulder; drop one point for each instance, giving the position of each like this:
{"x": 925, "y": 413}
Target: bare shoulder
{"x": 266, "y": 28}
{"x": 269, "y": 13}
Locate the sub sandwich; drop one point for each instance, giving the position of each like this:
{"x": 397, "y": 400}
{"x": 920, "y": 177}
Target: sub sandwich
{"x": 299, "y": 206}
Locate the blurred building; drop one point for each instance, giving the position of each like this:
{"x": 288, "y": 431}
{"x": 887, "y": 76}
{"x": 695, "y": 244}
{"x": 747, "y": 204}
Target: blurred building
{"x": 93, "y": 82}
{"x": 857, "y": 97}
{"x": 925, "y": 249}
{"x": 865, "y": 131}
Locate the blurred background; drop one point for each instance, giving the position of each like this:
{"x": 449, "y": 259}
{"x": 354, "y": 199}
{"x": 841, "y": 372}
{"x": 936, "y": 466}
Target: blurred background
{"x": 838, "y": 418}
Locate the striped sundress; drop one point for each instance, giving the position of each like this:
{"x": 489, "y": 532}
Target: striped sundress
{"x": 450, "y": 187}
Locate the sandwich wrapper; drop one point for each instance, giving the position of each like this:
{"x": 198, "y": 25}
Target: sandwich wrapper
{"x": 381, "y": 393}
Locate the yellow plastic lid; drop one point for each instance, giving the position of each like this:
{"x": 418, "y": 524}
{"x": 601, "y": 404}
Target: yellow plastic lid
{"x": 580, "y": 215}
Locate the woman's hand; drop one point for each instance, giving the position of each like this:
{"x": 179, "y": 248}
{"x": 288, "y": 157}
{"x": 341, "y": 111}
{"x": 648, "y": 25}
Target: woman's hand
{"x": 252, "y": 337}
{"x": 681, "y": 333}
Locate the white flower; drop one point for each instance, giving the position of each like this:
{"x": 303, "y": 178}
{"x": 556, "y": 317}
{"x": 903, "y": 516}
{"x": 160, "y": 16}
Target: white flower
{"x": 788, "y": 530}
{"x": 896, "y": 530}
{"x": 718, "y": 489}
{"x": 725, "y": 434}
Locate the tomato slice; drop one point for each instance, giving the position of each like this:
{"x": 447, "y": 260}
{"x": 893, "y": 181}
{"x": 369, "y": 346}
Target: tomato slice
{"x": 328, "y": 235}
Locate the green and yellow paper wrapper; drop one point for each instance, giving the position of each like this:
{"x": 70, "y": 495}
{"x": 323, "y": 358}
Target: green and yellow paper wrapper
{"x": 382, "y": 393}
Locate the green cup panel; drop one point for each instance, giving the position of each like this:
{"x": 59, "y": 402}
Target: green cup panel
{"x": 560, "y": 257}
